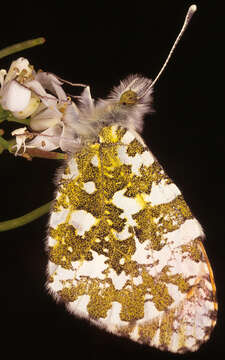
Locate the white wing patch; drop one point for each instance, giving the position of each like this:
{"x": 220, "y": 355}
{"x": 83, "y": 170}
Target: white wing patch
{"x": 162, "y": 193}
{"x": 125, "y": 250}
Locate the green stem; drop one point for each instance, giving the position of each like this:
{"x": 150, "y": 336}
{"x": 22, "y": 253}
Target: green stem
{"x": 7, "y": 145}
{"x": 4, "y": 143}
{"x": 10, "y": 117}
{"x": 7, "y": 115}
{"x": 21, "y": 46}
{"x": 23, "y": 220}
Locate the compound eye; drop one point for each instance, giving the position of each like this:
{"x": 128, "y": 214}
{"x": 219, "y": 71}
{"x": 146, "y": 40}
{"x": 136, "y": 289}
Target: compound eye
{"x": 129, "y": 97}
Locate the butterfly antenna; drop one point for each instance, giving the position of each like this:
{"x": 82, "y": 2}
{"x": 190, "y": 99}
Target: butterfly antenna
{"x": 188, "y": 17}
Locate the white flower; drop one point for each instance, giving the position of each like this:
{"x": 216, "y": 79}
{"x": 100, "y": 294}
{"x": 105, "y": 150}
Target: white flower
{"x": 63, "y": 134}
{"x": 55, "y": 119}
{"x": 21, "y": 135}
{"x": 47, "y": 140}
{"x": 18, "y": 67}
{"x": 47, "y": 112}
{"x": 60, "y": 135}
{"x": 14, "y": 97}
{"x": 23, "y": 90}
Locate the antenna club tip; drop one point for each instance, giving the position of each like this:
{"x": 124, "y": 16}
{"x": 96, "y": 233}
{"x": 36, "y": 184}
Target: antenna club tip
{"x": 193, "y": 8}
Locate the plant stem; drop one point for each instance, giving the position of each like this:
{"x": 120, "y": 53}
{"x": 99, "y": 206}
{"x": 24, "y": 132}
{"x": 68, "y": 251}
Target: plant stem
{"x": 4, "y": 143}
{"x": 21, "y": 46}
{"x": 7, "y": 145}
{"x": 25, "y": 219}
{"x": 10, "y": 117}
{"x": 45, "y": 154}
{"x": 7, "y": 115}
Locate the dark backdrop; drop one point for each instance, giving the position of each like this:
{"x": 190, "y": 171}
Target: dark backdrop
{"x": 99, "y": 44}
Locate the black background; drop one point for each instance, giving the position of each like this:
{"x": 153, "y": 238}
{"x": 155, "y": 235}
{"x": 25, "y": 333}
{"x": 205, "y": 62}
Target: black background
{"x": 99, "y": 44}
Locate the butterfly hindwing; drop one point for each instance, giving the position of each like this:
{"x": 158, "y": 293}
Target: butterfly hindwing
{"x": 125, "y": 250}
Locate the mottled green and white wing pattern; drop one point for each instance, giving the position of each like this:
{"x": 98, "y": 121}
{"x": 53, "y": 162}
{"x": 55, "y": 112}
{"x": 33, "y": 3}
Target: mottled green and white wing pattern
{"x": 125, "y": 251}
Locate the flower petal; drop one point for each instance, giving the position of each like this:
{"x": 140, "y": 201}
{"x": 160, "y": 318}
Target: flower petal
{"x": 17, "y": 67}
{"x": 51, "y": 82}
{"x": 47, "y": 99}
{"x": 21, "y": 135}
{"x": 2, "y": 76}
{"x": 29, "y": 109}
{"x": 48, "y": 140}
{"x": 45, "y": 118}
{"x": 15, "y": 97}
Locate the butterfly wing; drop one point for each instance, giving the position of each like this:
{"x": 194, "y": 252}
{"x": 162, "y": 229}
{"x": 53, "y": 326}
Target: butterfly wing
{"x": 125, "y": 250}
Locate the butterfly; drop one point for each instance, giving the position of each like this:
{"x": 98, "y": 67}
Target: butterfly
{"x": 124, "y": 249}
